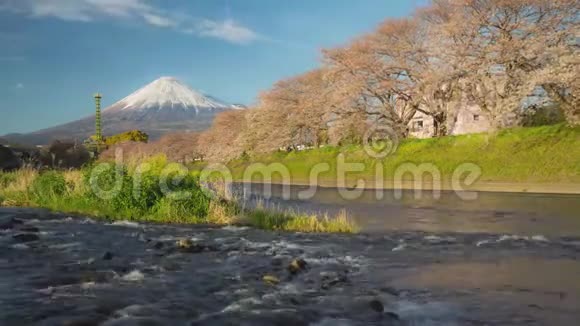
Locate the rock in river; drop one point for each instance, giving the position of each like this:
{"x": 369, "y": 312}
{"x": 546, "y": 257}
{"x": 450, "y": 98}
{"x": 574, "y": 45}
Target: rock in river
{"x": 30, "y": 229}
{"x": 25, "y": 237}
{"x": 9, "y": 223}
{"x": 271, "y": 279}
{"x": 377, "y": 306}
{"x": 108, "y": 255}
{"x": 296, "y": 266}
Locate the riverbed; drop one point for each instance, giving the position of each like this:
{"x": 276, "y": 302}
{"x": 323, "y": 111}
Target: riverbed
{"x": 58, "y": 269}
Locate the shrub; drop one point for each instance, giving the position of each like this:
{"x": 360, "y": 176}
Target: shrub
{"x": 150, "y": 192}
{"x": 113, "y": 187}
{"x": 132, "y": 136}
{"x": 48, "y": 187}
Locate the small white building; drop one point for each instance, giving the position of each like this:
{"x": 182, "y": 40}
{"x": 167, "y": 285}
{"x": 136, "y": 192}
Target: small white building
{"x": 469, "y": 119}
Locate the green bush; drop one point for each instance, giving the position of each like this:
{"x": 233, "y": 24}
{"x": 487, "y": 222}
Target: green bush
{"x": 48, "y": 187}
{"x": 142, "y": 193}
{"x": 185, "y": 196}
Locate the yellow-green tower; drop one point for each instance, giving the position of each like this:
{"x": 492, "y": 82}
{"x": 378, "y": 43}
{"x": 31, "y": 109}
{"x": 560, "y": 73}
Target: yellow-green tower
{"x": 98, "y": 130}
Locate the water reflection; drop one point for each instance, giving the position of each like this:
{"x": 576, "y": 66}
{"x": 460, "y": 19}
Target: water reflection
{"x": 539, "y": 288}
{"x": 514, "y": 213}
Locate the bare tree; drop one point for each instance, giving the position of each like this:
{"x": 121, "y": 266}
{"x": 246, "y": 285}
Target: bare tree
{"x": 497, "y": 46}
{"x": 223, "y": 141}
{"x": 181, "y": 147}
{"x": 363, "y": 81}
{"x": 292, "y": 113}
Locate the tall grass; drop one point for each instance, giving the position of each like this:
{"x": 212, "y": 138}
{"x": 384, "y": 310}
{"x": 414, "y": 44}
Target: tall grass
{"x": 14, "y": 186}
{"x": 290, "y": 221}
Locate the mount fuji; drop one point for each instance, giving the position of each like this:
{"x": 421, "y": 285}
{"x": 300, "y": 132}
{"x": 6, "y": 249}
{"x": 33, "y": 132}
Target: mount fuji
{"x": 163, "y": 106}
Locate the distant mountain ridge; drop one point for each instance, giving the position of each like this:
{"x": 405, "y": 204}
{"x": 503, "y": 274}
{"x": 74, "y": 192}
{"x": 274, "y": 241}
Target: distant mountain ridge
{"x": 163, "y": 106}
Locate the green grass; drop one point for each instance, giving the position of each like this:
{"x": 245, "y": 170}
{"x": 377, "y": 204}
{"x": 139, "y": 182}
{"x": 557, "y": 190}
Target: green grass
{"x": 289, "y": 221}
{"x": 537, "y": 154}
{"x": 73, "y": 192}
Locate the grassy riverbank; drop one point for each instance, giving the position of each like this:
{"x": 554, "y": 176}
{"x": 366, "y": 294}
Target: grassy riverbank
{"x": 186, "y": 202}
{"x": 538, "y": 155}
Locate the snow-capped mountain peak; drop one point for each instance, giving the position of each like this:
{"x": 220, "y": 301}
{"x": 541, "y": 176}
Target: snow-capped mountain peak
{"x": 168, "y": 92}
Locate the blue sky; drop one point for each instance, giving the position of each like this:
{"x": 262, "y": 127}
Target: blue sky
{"x": 55, "y": 53}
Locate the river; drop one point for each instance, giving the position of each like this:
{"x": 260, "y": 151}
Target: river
{"x": 492, "y": 212}
{"x": 505, "y": 259}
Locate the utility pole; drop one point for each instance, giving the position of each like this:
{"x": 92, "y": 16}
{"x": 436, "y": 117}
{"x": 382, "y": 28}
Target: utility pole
{"x": 98, "y": 130}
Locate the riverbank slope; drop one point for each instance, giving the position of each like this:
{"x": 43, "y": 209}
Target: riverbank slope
{"x": 538, "y": 159}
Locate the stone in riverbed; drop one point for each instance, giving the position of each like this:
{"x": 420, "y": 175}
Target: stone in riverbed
{"x": 271, "y": 279}
{"x": 377, "y": 306}
{"x": 392, "y": 315}
{"x": 297, "y": 266}
{"x": 184, "y": 243}
{"x": 391, "y": 290}
{"x": 25, "y": 237}
{"x": 170, "y": 266}
{"x": 31, "y": 229}
{"x": 276, "y": 262}
{"x": 188, "y": 246}
{"x": 194, "y": 249}
{"x": 108, "y": 255}
{"x": 333, "y": 279}
{"x": 10, "y": 223}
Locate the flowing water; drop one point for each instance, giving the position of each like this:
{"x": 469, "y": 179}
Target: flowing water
{"x": 505, "y": 260}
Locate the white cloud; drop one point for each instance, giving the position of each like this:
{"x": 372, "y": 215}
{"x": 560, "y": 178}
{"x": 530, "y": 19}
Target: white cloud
{"x": 159, "y": 21}
{"x": 79, "y": 10}
{"x": 135, "y": 10}
{"x": 227, "y": 30}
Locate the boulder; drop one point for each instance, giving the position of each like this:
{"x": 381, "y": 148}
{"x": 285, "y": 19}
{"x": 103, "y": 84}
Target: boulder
{"x": 297, "y": 266}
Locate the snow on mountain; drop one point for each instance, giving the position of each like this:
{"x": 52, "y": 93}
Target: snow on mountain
{"x": 168, "y": 92}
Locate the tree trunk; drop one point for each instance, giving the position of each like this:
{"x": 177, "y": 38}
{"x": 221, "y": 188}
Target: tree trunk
{"x": 440, "y": 124}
